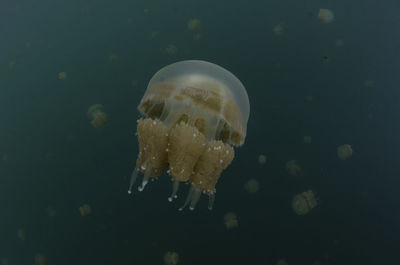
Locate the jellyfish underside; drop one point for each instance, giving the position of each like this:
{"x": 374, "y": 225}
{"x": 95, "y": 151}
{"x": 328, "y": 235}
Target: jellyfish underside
{"x": 190, "y": 123}
{"x": 185, "y": 149}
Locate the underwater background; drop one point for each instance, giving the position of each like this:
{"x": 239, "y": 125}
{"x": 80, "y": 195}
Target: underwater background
{"x": 314, "y": 83}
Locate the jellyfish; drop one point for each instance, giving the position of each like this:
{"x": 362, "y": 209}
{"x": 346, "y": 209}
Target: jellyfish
{"x": 282, "y": 262}
{"x": 194, "y": 112}
{"x": 40, "y": 259}
{"x": 325, "y": 15}
{"x": 307, "y": 139}
{"x": 62, "y": 75}
{"x": 85, "y": 209}
{"x": 262, "y": 159}
{"x": 97, "y": 115}
{"x": 231, "y": 221}
{"x": 303, "y": 202}
{"x": 293, "y": 167}
{"x": 252, "y": 186}
{"x": 170, "y": 50}
{"x": 194, "y": 24}
{"x": 171, "y": 258}
{"x": 279, "y": 29}
{"x": 21, "y": 233}
{"x": 344, "y": 151}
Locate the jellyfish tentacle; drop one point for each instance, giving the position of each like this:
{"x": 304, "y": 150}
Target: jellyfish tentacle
{"x": 175, "y": 187}
{"x": 188, "y": 198}
{"x": 211, "y": 199}
{"x": 145, "y": 179}
{"x": 195, "y": 199}
{"x": 134, "y": 176}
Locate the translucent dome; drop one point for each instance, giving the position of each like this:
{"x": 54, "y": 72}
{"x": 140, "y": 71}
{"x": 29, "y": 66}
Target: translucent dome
{"x": 203, "y": 91}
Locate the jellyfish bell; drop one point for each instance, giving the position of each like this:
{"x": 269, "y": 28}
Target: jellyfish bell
{"x": 97, "y": 116}
{"x": 344, "y": 151}
{"x": 195, "y": 111}
{"x": 304, "y": 202}
{"x": 325, "y": 15}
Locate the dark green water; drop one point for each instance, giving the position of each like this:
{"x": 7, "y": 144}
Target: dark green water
{"x": 300, "y": 83}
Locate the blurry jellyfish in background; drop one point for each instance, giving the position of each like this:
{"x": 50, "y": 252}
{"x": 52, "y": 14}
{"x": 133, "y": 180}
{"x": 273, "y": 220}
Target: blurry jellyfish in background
{"x": 112, "y": 58}
{"x": 40, "y": 259}
{"x": 252, "y": 186}
{"x": 171, "y": 50}
{"x": 339, "y": 42}
{"x": 85, "y": 210}
{"x": 293, "y": 167}
{"x": 325, "y": 15}
{"x": 369, "y": 83}
{"x": 303, "y": 202}
{"x": 4, "y": 261}
{"x": 62, "y": 75}
{"x": 154, "y": 34}
{"x": 307, "y": 139}
{"x": 11, "y": 65}
{"x": 4, "y": 157}
{"x": 279, "y": 29}
{"x": 194, "y": 24}
{"x": 51, "y": 212}
{"x": 344, "y": 151}
{"x": 171, "y": 258}
{"x": 231, "y": 221}
{"x": 97, "y": 116}
{"x": 309, "y": 98}
{"x": 21, "y": 233}
{"x": 282, "y": 262}
{"x": 194, "y": 111}
{"x": 262, "y": 159}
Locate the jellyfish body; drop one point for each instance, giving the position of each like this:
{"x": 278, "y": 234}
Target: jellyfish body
{"x": 194, "y": 111}
{"x": 293, "y": 167}
{"x": 97, "y": 116}
{"x": 304, "y": 202}
{"x": 344, "y": 151}
{"x": 325, "y": 15}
